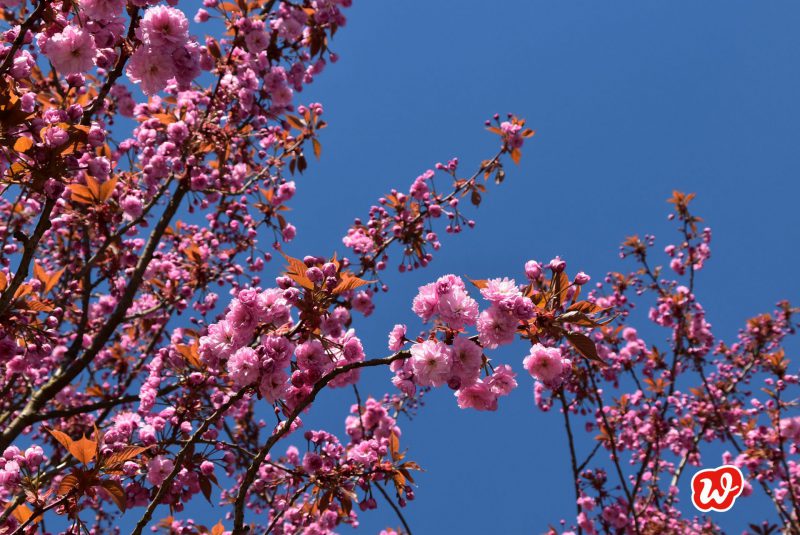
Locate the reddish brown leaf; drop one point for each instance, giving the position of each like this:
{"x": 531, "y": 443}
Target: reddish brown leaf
{"x": 116, "y": 492}
{"x": 62, "y": 438}
{"x": 22, "y": 144}
{"x": 81, "y": 194}
{"x": 586, "y": 307}
{"x": 394, "y": 445}
{"x": 22, "y": 513}
{"x": 295, "y": 122}
{"x": 84, "y": 450}
{"x": 124, "y": 455}
{"x": 349, "y": 282}
{"x": 190, "y": 354}
{"x": 107, "y": 189}
{"x": 70, "y": 482}
{"x": 584, "y": 345}
{"x": 480, "y": 284}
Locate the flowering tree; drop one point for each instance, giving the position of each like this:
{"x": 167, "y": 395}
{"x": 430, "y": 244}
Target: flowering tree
{"x": 128, "y": 385}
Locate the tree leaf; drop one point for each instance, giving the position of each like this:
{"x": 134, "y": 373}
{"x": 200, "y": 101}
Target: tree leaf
{"x": 584, "y": 345}
{"x": 205, "y": 487}
{"x": 116, "y": 492}
{"x": 107, "y": 189}
{"x": 124, "y": 455}
{"x": 296, "y": 270}
{"x": 349, "y": 282}
{"x": 586, "y": 307}
{"x": 81, "y": 194}
{"x": 93, "y": 186}
{"x": 394, "y": 445}
{"x": 62, "y": 438}
{"x": 295, "y": 122}
{"x": 22, "y": 513}
{"x": 22, "y": 144}
{"x": 190, "y": 354}
{"x": 70, "y": 482}
{"x": 84, "y": 450}
{"x": 218, "y": 529}
{"x": 480, "y": 284}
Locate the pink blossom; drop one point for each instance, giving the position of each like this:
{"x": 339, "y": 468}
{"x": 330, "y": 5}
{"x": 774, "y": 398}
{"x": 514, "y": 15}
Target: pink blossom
{"x": 243, "y": 366}
{"x": 477, "y": 396}
{"x": 158, "y": 469}
{"x": 150, "y": 70}
{"x": 497, "y": 290}
{"x": 311, "y": 355}
{"x": 446, "y": 299}
{"x": 496, "y": 327}
{"x": 362, "y": 302}
{"x": 467, "y": 359}
{"x": 358, "y": 241}
{"x": 545, "y": 364}
{"x": 431, "y": 362}
{"x": 102, "y": 9}
{"x": 502, "y": 381}
{"x": 163, "y": 27}
{"x": 790, "y": 428}
{"x": 397, "y": 337}
{"x": 533, "y": 270}
{"x": 71, "y": 51}
{"x": 425, "y": 302}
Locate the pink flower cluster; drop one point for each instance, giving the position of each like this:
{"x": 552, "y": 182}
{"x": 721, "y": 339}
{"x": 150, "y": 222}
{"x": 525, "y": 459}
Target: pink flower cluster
{"x": 446, "y": 300}
{"x": 497, "y": 324}
{"x": 165, "y": 53}
{"x": 547, "y": 365}
{"x": 16, "y": 464}
{"x": 71, "y": 51}
{"x": 457, "y": 362}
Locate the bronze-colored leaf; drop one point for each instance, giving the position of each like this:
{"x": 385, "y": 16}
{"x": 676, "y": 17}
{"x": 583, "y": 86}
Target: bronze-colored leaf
{"x": 68, "y": 483}
{"x": 22, "y": 513}
{"x": 295, "y": 122}
{"x": 22, "y": 144}
{"x": 84, "y": 450}
{"x": 205, "y": 488}
{"x": 81, "y": 194}
{"x": 218, "y": 528}
{"x": 586, "y": 307}
{"x": 480, "y": 284}
{"x": 62, "y": 438}
{"x": 349, "y": 282}
{"x": 190, "y": 354}
{"x": 394, "y": 445}
{"x": 584, "y": 345}
{"x": 124, "y": 455}
{"x": 116, "y": 492}
{"x": 107, "y": 189}
{"x": 93, "y": 186}
{"x": 38, "y": 306}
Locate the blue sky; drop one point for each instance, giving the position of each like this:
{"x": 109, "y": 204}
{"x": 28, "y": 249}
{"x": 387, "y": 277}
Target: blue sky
{"x": 629, "y": 103}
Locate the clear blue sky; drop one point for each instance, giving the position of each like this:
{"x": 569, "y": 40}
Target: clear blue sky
{"x": 629, "y": 103}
